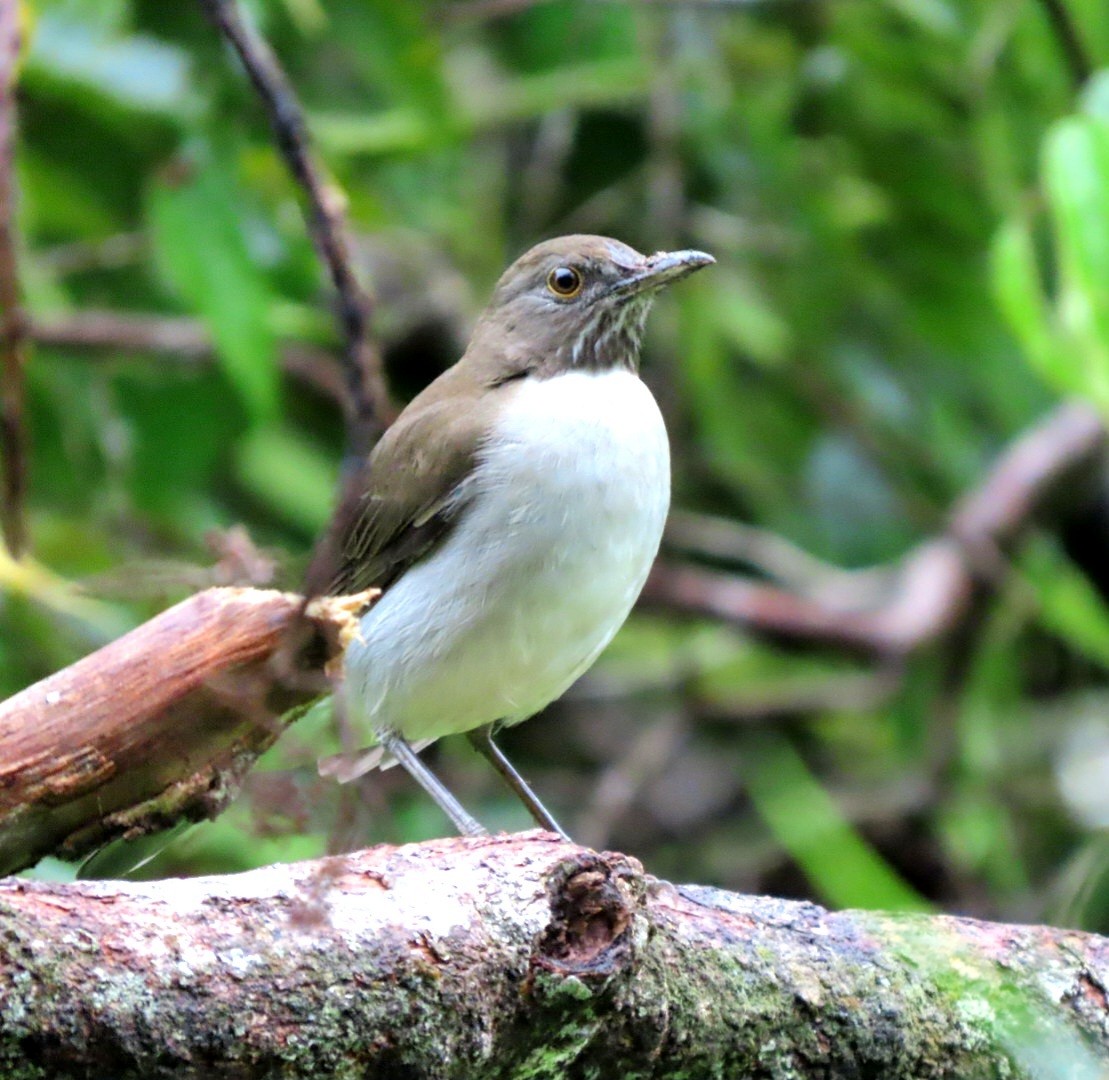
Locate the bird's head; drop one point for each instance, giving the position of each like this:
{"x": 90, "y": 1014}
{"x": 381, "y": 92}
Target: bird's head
{"x": 579, "y": 302}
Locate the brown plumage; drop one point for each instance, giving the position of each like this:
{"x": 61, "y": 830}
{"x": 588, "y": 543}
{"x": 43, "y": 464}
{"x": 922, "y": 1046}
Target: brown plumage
{"x": 510, "y": 514}
{"x": 411, "y": 480}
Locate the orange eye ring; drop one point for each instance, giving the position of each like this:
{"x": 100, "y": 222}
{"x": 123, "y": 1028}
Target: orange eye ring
{"x": 565, "y": 282}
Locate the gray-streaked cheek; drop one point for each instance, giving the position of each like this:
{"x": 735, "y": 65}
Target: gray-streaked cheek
{"x": 539, "y": 301}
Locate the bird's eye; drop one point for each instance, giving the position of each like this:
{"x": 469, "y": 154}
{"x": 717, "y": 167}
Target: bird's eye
{"x": 565, "y": 282}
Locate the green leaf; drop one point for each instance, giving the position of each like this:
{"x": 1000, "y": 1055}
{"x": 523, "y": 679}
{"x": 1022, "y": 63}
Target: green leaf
{"x": 542, "y": 36}
{"x": 597, "y": 84}
{"x": 387, "y": 131}
{"x": 195, "y": 213}
{"x": 1095, "y": 96}
{"x": 135, "y": 71}
{"x": 735, "y": 416}
{"x": 1076, "y": 178}
{"x": 808, "y": 824}
{"x": 290, "y": 475}
{"x": 1069, "y": 604}
{"x": 1019, "y": 293}
{"x": 748, "y": 320}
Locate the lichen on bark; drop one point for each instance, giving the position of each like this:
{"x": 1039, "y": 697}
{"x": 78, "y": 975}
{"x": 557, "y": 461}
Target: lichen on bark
{"x": 522, "y": 957}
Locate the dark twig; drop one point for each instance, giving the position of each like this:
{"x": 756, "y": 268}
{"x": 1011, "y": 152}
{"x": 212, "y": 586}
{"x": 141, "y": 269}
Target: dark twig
{"x": 1078, "y": 63}
{"x": 13, "y": 330}
{"x": 369, "y": 395}
{"x": 176, "y": 338}
{"x": 183, "y": 339}
{"x": 80, "y": 256}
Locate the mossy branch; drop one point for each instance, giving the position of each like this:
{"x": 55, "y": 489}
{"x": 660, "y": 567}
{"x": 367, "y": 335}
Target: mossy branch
{"x": 520, "y": 956}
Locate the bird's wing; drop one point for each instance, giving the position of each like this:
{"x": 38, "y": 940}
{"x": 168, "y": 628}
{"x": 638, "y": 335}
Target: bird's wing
{"x": 414, "y": 492}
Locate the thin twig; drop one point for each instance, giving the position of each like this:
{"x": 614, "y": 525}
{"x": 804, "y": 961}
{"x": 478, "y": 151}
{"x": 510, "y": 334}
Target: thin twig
{"x": 665, "y": 195}
{"x": 1078, "y": 63}
{"x": 773, "y": 556}
{"x": 176, "y": 338}
{"x": 179, "y": 338}
{"x": 80, "y": 256}
{"x": 843, "y": 691}
{"x": 653, "y": 748}
{"x": 369, "y": 395}
{"x": 13, "y": 330}
{"x": 931, "y": 590}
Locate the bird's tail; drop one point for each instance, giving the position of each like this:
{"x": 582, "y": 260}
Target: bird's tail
{"x": 348, "y": 767}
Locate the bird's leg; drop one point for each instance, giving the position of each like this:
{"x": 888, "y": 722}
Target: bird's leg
{"x": 482, "y": 741}
{"x": 463, "y": 822}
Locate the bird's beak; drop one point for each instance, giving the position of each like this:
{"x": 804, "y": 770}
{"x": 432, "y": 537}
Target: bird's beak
{"x": 661, "y": 269}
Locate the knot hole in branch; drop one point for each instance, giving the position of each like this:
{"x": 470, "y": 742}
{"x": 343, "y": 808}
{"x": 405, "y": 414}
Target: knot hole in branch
{"x": 594, "y": 900}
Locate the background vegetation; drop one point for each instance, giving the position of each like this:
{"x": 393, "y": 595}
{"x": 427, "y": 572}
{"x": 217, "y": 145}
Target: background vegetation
{"x": 909, "y": 203}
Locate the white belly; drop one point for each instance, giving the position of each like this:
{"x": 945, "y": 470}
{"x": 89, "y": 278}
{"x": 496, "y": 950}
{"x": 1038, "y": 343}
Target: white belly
{"x": 571, "y": 495}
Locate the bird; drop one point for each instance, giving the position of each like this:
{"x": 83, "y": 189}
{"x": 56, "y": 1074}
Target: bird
{"x": 509, "y": 515}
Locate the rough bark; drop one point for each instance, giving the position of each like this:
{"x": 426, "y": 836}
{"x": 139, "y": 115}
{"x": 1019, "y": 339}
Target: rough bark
{"x": 13, "y": 321}
{"x": 523, "y": 956}
{"x": 160, "y": 725}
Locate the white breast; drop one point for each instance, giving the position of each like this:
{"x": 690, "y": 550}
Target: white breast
{"x": 569, "y": 500}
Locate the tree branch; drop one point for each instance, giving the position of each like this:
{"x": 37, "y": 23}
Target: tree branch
{"x": 522, "y": 955}
{"x": 930, "y": 592}
{"x": 178, "y": 338}
{"x": 1074, "y": 52}
{"x": 160, "y": 725}
{"x": 13, "y": 329}
{"x": 146, "y": 745}
{"x": 370, "y": 406}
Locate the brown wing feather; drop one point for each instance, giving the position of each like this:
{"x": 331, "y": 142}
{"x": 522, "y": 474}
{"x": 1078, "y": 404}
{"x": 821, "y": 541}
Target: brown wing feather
{"x": 411, "y": 485}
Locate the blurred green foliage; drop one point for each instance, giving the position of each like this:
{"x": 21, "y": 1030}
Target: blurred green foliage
{"x": 909, "y": 204}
